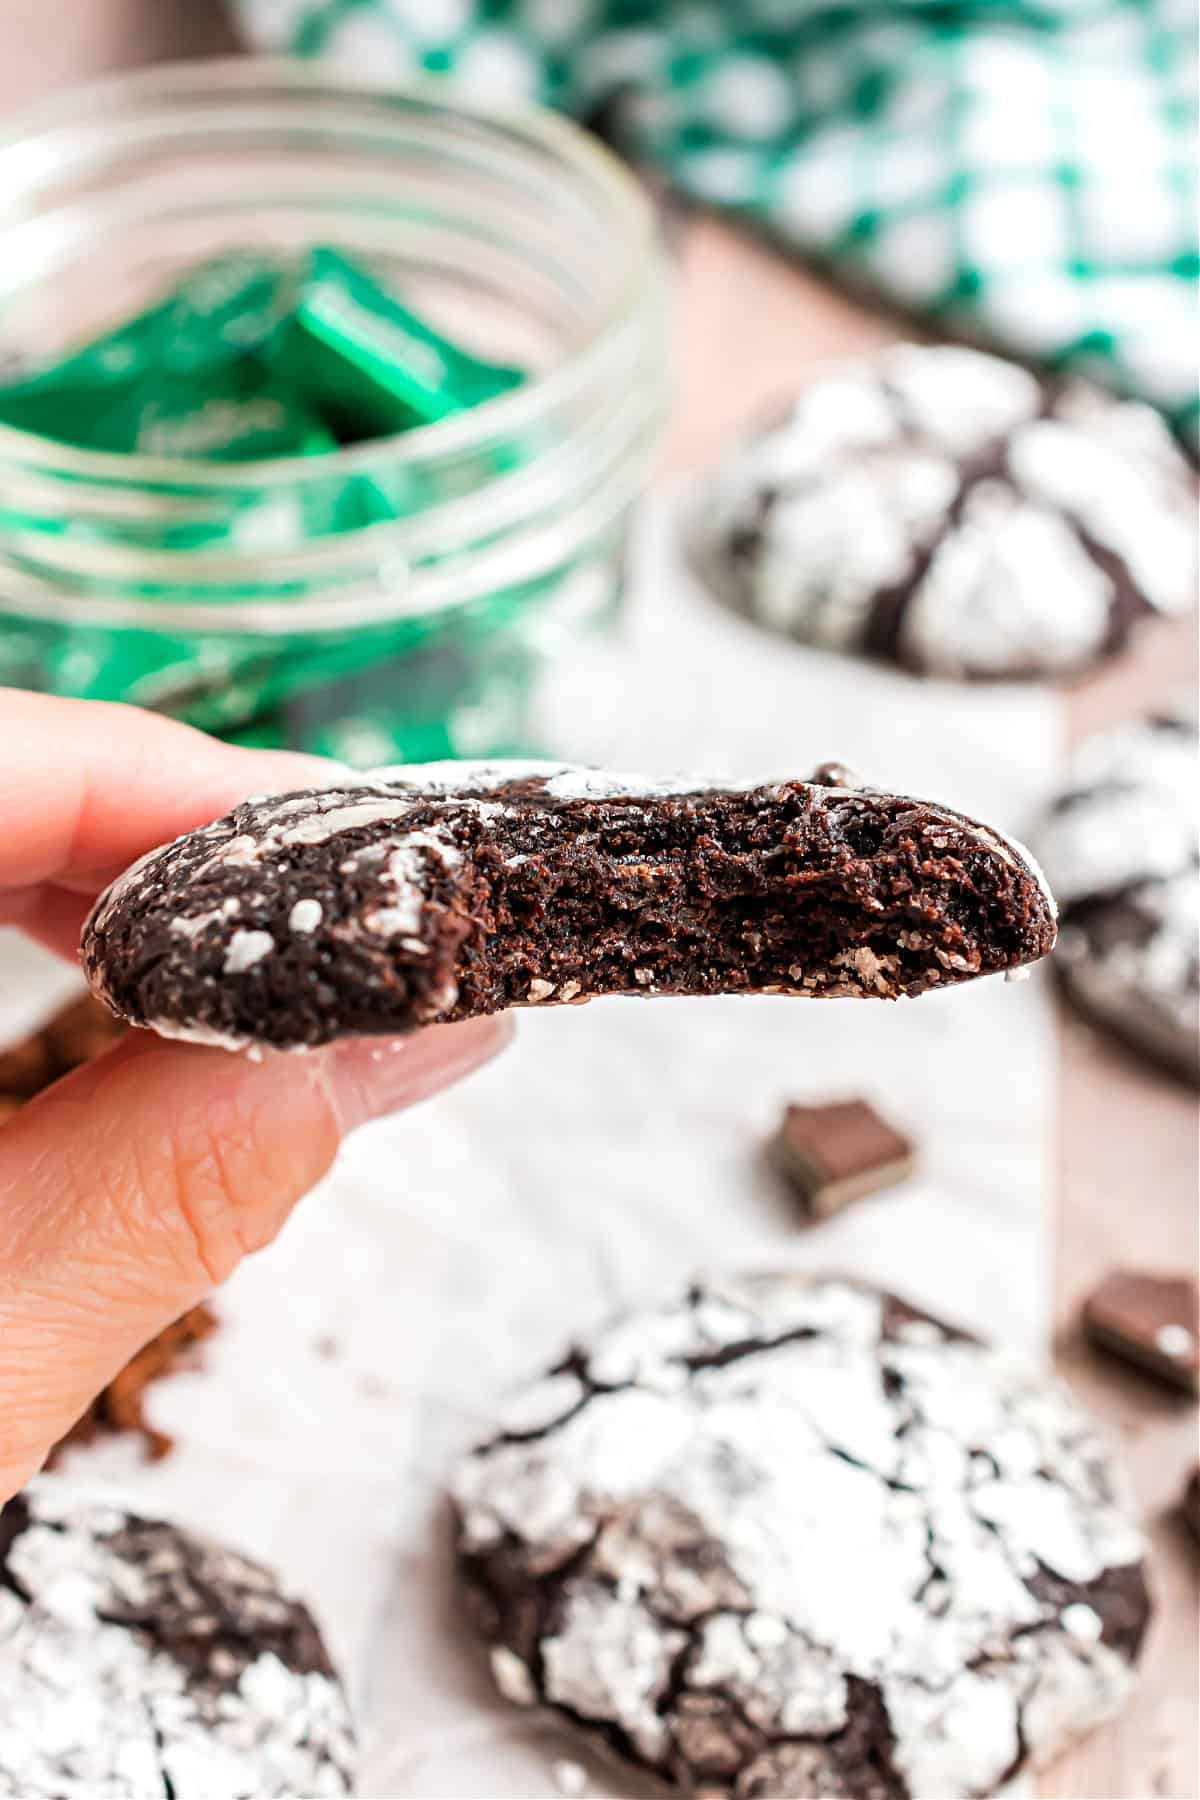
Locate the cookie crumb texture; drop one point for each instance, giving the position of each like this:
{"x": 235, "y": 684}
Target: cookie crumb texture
{"x": 451, "y": 890}
{"x": 1122, "y": 845}
{"x": 138, "y": 1661}
{"x": 950, "y": 511}
{"x": 790, "y": 1538}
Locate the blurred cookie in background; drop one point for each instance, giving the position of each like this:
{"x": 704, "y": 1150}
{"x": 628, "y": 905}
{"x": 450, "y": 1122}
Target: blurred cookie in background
{"x": 787, "y": 1535}
{"x": 1121, "y": 848}
{"x": 137, "y": 1658}
{"x": 1189, "y": 1504}
{"x": 949, "y": 511}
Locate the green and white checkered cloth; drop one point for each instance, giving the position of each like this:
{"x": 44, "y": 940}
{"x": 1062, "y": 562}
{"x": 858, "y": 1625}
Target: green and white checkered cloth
{"x": 1019, "y": 174}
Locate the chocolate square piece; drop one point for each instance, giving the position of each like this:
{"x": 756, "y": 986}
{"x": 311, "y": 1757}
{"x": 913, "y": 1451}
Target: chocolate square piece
{"x": 1189, "y": 1505}
{"x": 1152, "y": 1321}
{"x": 837, "y": 1153}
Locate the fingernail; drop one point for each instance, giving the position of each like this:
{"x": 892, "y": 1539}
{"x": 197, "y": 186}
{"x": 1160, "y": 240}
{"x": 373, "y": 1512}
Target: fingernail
{"x": 370, "y": 1077}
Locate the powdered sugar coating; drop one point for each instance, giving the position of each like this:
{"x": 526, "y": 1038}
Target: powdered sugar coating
{"x": 1123, "y": 843}
{"x": 137, "y": 1660}
{"x": 558, "y": 781}
{"x": 245, "y": 949}
{"x": 305, "y": 916}
{"x": 948, "y": 510}
{"x": 786, "y": 1509}
{"x": 390, "y": 794}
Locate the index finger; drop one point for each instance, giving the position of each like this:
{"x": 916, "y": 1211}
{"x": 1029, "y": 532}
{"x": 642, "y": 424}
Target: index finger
{"x": 86, "y": 786}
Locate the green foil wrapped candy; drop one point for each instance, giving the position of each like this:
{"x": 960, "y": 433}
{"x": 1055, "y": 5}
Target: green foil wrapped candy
{"x": 227, "y": 308}
{"x": 368, "y": 364}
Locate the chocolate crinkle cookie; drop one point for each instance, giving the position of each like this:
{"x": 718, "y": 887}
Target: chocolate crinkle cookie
{"x": 407, "y": 896}
{"x": 137, "y": 1661}
{"x": 788, "y": 1537}
{"x": 1122, "y": 843}
{"x": 949, "y": 511}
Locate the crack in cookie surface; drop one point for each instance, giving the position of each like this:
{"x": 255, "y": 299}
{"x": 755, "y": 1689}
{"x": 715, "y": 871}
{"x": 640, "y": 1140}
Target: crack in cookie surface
{"x": 789, "y": 1536}
{"x": 137, "y": 1659}
{"x": 942, "y": 508}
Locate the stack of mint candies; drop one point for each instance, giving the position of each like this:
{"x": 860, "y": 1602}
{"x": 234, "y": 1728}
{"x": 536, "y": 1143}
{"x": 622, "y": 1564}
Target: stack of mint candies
{"x": 249, "y": 359}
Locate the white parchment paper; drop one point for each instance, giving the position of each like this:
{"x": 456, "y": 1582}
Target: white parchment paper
{"x": 614, "y": 1149}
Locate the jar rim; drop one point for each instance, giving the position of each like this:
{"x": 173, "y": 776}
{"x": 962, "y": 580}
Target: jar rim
{"x": 574, "y": 148}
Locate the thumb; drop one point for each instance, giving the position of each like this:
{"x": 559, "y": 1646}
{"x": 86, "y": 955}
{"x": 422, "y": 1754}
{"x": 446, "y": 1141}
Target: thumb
{"x": 137, "y": 1184}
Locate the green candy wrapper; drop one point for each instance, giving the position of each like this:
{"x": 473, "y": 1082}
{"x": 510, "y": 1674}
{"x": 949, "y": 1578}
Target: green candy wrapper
{"x": 369, "y": 364}
{"x": 234, "y": 414}
{"x": 247, "y": 360}
{"x": 221, "y": 311}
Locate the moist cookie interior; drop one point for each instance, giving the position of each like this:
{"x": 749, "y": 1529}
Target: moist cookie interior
{"x": 282, "y": 926}
{"x": 728, "y": 894}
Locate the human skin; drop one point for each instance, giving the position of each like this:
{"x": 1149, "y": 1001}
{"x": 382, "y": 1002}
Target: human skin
{"x": 134, "y": 1186}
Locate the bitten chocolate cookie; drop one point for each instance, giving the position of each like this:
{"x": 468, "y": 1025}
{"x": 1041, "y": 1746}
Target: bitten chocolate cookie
{"x": 451, "y": 890}
{"x": 1122, "y": 844}
{"x": 787, "y": 1537}
{"x": 137, "y": 1660}
{"x": 951, "y": 512}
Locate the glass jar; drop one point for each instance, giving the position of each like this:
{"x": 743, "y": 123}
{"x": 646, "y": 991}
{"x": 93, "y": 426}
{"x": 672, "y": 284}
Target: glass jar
{"x": 394, "y": 600}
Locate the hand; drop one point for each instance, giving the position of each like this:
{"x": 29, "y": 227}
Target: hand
{"x": 137, "y": 1184}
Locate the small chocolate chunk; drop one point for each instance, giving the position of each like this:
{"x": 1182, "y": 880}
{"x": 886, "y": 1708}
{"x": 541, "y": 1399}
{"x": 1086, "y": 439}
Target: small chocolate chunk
{"x": 838, "y": 1153}
{"x": 1189, "y": 1505}
{"x": 1152, "y": 1321}
{"x": 120, "y": 1406}
{"x": 1121, "y": 846}
{"x": 835, "y": 775}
